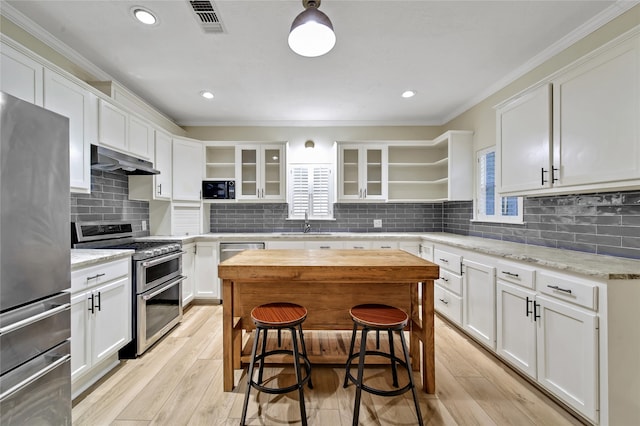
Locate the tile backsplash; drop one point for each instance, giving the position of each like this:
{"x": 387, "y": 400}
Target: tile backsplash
{"x": 109, "y": 200}
{"x": 355, "y": 217}
{"x": 606, "y": 223}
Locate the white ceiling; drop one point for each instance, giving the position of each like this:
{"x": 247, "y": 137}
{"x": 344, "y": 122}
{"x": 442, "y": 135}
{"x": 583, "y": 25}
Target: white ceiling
{"x": 453, "y": 53}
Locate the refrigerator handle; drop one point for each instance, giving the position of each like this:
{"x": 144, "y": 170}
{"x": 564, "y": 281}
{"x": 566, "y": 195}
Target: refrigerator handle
{"x": 35, "y": 376}
{"x": 34, "y": 319}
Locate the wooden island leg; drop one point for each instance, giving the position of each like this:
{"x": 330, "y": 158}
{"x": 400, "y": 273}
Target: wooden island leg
{"x": 227, "y": 335}
{"x": 429, "y": 356}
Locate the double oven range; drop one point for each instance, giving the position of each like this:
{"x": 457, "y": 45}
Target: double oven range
{"x": 156, "y": 280}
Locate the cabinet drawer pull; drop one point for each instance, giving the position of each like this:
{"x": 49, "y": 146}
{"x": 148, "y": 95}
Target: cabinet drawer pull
{"x": 444, "y": 260}
{"x": 511, "y": 274}
{"x": 542, "y": 179}
{"x": 555, "y": 287}
{"x": 444, "y": 279}
{"x": 385, "y": 247}
{"x": 95, "y": 276}
{"x": 325, "y": 247}
{"x": 444, "y": 301}
{"x": 358, "y": 247}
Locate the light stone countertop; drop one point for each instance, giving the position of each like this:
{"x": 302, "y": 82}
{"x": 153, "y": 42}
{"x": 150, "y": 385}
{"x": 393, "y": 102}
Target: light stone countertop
{"x": 590, "y": 265}
{"x": 86, "y": 257}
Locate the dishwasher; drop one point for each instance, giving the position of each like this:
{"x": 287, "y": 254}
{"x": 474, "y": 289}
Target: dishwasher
{"x": 228, "y": 250}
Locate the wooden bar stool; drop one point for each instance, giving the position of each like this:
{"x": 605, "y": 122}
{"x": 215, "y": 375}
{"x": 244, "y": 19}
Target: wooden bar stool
{"x": 279, "y": 316}
{"x": 379, "y": 318}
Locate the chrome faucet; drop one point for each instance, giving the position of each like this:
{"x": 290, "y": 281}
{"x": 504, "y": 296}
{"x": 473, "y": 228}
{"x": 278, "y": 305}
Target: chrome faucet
{"x": 307, "y": 225}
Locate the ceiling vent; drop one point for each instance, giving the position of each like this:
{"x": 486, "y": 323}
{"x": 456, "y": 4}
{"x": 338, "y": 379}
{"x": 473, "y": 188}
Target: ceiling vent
{"x": 207, "y": 16}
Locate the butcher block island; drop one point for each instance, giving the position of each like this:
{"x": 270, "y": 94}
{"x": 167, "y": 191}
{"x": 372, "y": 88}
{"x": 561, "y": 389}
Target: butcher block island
{"x": 328, "y": 283}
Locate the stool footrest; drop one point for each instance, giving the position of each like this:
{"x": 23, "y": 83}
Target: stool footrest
{"x": 307, "y": 367}
{"x": 375, "y": 391}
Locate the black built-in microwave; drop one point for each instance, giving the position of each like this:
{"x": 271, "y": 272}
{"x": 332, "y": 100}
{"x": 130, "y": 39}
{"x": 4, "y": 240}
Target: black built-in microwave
{"x": 218, "y": 189}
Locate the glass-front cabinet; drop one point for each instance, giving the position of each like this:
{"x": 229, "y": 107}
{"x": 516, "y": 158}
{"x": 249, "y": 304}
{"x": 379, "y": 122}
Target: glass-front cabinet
{"x": 260, "y": 172}
{"x": 363, "y": 172}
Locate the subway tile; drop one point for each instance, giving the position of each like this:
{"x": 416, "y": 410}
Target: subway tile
{"x": 619, "y": 251}
{"x": 610, "y": 240}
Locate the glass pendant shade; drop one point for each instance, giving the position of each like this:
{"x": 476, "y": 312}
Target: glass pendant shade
{"x": 311, "y": 32}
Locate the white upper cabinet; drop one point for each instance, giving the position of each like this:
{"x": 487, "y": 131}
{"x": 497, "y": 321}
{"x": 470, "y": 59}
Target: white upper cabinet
{"x": 112, "y": 126}
{"x": 596, "y": 115}
{"x": 163, "y": 164}
{"x": 140, "y": 138}
{"x": 67, "y": 98}
{"x": 579, "y": 131}
{"x": 20, "y": 76}
{"x": 260, "y": 171}
{"x": 363, "y": 172}
{"x": 187, "y": 169}
{"x": 124, "y": 132}
{"x": 524, "y": 142}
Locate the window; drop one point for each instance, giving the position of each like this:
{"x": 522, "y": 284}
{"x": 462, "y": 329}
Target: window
{"x": 311, "y": 190}
{"x": 490, "y": 206}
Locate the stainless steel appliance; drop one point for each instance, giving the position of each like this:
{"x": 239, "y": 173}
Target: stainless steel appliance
{"x": 35, "y": 276}
{"x": 218, "y": 189}
{"x": 156, "y": 281}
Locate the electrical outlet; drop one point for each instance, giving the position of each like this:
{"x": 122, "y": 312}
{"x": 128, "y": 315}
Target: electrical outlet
{"x": 377, "y": 223}
{"x": 144, "y": 225}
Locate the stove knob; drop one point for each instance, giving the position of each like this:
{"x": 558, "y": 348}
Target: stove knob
{"x": 157, "y": 251}
{"x": 165, "y": 250}
{"x": 148, "y": 253}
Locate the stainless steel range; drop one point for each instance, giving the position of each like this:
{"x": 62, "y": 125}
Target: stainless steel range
{"x": 156, "y": 281}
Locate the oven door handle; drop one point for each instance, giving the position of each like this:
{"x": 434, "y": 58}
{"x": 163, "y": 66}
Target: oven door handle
{"x": 162, "y": 259}
{"x": 164, "y": 287}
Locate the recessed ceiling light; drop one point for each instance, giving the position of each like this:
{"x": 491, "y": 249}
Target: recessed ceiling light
{"x": 408, "y": 93}
{"x": 144, "y": 15}
{"x": 206, "y": 94}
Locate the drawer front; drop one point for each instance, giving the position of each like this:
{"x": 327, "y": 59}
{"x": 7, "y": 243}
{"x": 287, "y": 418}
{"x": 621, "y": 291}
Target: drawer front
{"x": 517, "y": 274}
{"x": 357, "y": 245}
{"x": 323, "y": 244}
{"x": 99, "y": 274}
{"x": 384, "y": 245}
{"x": 449, "y": 261}
{"x": 448, "y": 304}
{"x": 450, "y": 281}
{"x": 570, "y": 289}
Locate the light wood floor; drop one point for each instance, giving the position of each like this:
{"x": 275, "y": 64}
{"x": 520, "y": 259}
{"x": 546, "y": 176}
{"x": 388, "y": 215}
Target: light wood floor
{"x": 179, "y": 382}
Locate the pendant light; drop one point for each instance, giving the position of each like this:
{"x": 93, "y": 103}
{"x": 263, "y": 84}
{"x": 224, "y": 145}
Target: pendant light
{"x": 311, "y": 32}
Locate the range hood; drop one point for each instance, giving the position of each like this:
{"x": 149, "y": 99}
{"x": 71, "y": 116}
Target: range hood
{"x": 108, "y": 160}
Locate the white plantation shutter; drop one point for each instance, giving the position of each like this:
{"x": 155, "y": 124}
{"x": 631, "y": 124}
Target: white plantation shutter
{"x": 321, "y": 194}
{"x": 310, "y": 190}
{"x": 299, "y": 191}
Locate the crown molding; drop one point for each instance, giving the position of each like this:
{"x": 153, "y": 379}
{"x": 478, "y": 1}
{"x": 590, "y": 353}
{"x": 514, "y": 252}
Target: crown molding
{"x": 606, "y": 16}
{"x": 47, "y": 38}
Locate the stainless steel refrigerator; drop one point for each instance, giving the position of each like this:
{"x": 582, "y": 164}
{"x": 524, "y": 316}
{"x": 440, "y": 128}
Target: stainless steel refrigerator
{"x": 35, "y": 371}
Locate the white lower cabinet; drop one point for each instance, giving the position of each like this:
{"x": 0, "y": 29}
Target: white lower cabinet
{"x": 188, "y": 270}
{"x": 568, "y": 353}
{"x": 543, "y": 323}
{"x": 207, "y": 283}
{"x": 100, "y": 320}
{"x": 479, "y": 301}
{"x": 516, "y": 329}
